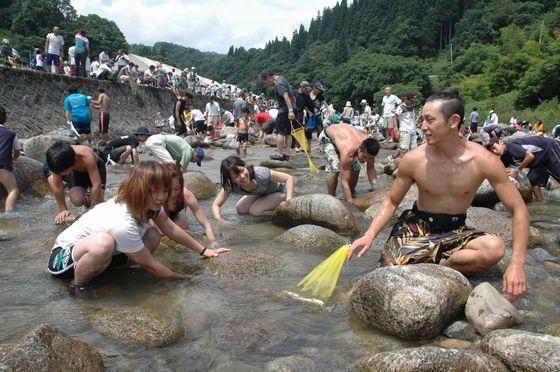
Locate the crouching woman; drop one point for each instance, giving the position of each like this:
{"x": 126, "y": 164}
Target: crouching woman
{"x": 119, "y": 230}
{"x": 263, "y": 189}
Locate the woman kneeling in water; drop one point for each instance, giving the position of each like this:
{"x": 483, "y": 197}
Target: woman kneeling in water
{"x": 119, "y": 229}
{"x": 182, "y": 198}
{"x": 264, "y": 189}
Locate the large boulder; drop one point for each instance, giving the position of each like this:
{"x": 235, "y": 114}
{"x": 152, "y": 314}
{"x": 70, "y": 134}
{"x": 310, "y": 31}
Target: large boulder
{"x": 365, "y": 201}
{"x": 196, "y": 141}
{"x": 514, "y": 136}
{"x": 461, "y": 330}
{"x": 46, "y": 348}
{"x": 430, "y": 358}
{"x": 270, "y": 140}
{"x": 136, "y": 326}
{"x": 412, "y": 301}
{"x": 523, "y": 351}
{"x": 227, "y": 131}
{"x": 242, "y": 266}
{"x": 494, "y": 223}
{"x": 270, "y": 163}
{"x": 485, "y": 195}
{"x": 313, "y": 238}
{"x": 200, "y": 185}
{"x": 29, "y": 177}
{"x": 36, "y": 147}
{"x": 391, "y": 167}
{"x": 487, "y": 310}
{"x": 317, "y": 209}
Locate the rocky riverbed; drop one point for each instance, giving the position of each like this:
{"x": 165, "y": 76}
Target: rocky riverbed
{"x": 233, "y": 314}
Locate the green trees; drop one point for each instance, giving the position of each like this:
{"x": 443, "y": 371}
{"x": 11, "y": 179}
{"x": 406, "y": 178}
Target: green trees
{"x": 102, "y": 33}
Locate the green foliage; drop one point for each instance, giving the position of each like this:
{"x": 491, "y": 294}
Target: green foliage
{"x": 102, "y": 33}
{"x": 36, "y": 17}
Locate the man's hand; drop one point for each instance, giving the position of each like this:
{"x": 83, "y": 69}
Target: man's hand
{"x": 215, "y": 252}
{"x": 363, "y": 244}
{"x": 512, "y": 173}
{"x": 514, "y": 281}
{"x": 61, "y": 216}
{"x": 291, "y": 115}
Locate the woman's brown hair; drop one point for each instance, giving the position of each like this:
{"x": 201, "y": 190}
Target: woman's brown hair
{"x": 137, "y": 188}
{"x": 175, "y": 173}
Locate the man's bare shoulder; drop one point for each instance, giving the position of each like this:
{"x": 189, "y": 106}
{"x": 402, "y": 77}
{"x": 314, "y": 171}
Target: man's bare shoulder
{"x": 412, "y": 159}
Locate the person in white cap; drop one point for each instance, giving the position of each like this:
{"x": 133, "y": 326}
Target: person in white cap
{"x": 367, "y": 113}
{"x": 347, "y": 113}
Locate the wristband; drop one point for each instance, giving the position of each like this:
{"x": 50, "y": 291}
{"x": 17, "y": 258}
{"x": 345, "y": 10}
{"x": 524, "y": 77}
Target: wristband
{"x": 291, "y": 110}
{"x": 517, "y": 170}
{"x": 204, "y": 250}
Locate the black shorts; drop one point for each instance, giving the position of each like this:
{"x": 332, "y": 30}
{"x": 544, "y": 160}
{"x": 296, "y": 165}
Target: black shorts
{"x": 242, "y": 137}
{"x": 81, "y": 179}
{"x": 7, "y": 164}
{"x": 116, "y": 153}
{"x": 104, "y": 118}
{"x": 269, "y": 126}
{"x": 283, "y": 125}
{"x": 200, "y": 126}
{"x": 61, "y": 263}
{"x": 82, "y": 128}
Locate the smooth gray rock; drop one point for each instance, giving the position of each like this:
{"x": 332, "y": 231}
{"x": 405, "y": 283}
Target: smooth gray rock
{"x": 200, "y": 185}
{"x": 524, "y": 351}
{"x": 292, "y": 363}
{"x": 270, "y": 163}
{"x": 461, "y": 330}
{"x": 487, "y": 310}
{"x": 136, "y": 326}
{"x": 313, "y": 238}
{"x": 430, "y": 358}
{"x": 270, "y": 140}
{"x": 485, "y": 195}
{"x": 391, "y": 167}
{"x": 542, "y": 255}
{"x": 412, "y": 301}
{"x": 317, "y": 209}
{"x": 29, "y": 177}
{"x": 243, "y": 266}
{"x": 46, "y": 348}
{"x": 226, "y": 131}
{"x": 36, "y": 147}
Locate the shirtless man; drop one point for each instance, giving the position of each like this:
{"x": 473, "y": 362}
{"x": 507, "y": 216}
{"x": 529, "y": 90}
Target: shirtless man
{"x": 448, "y": 171}
{"x": 81, "y": 169}
{"x": 344, "y": 148}
{"x": 103, "y": 103}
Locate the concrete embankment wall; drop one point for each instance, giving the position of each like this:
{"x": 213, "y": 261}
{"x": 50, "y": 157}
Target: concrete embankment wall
{"x": 34, "y": 102}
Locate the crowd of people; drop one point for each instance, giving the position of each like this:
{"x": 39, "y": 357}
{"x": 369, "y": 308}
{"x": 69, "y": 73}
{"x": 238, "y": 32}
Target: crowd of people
{"x": 444, "y": 156}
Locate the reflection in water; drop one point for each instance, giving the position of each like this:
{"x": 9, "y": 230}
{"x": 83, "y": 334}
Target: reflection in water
{"x": 230, "y": 322}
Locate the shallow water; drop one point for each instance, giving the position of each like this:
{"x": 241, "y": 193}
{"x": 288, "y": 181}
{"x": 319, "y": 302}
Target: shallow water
{"x": 230, "y": 324}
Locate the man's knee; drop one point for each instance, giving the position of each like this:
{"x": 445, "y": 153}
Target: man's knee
{"x": 496, "y": 249}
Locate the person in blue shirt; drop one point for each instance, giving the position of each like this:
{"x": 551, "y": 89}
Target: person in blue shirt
{"x": 541, "y": 155}
{"x": 78, "y": 111}
{"x": 474, "y": 120}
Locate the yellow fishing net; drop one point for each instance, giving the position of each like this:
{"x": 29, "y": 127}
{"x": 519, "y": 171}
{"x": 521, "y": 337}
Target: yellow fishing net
{"x": 299, "y": 135}
{"x": 320, "y": 282}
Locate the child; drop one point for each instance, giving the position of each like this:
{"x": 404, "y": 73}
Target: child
{"x": 264, "y": 189}
{"x": 39, "y": 61}
{"x": 10, "y": 149}
{"x": 119, "y": 229}
{"x": 243, "y": 130}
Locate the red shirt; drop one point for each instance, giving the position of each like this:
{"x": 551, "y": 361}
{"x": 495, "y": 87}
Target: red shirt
{"x": 262, "y": 117}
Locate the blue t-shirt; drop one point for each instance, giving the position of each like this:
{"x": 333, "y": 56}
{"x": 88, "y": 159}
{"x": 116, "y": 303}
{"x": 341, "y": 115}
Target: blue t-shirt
{"x": 474, "y": 117}
{"x": 78, "y": 105}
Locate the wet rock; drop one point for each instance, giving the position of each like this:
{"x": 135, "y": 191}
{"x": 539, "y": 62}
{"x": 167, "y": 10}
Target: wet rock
{"x": 29, "y": 177}
{"x": 391, "y": 167}
{"x": 542, "y": 255}
{"x": 452, "y": 343}
{"x": 313, "y": 238}
{"x": 485, "y": 195}
{"x": 270, "y": 140}
{"x": 363, "y": 202}
{"x": 461, "y": 330}
{"x": 523, "y": 351}
{"x": 389, "y": 145}
{"x": 136, "y": 326}
{"x": 553, "y": 330}
{"x": 413, "y": 301}
{"x": 200, "y": 185}
{"x": 500, "y": 226}
{"x": 430, "y": 358}
{"x": 514, "y": 136}
{"x": 227, "y": 131}
{"x": 292, "y": 363}
{"x": 36, "y": 147}
{"x": 243, "y": 266}
{"x": 552, "y": 266}
{"x": 235, "y": 365}
{"x": 487, "y": 310}
{"x": 316, "y": 209}
{"x": 552, "y": 184}
{"x": 195, "y": 141}
{"x": 269, "y": 163}
{"x": 46, "y": 348}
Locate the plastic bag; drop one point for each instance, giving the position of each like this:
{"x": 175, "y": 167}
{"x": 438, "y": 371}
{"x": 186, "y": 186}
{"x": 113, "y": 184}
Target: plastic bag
{"x": 311, "y": 123}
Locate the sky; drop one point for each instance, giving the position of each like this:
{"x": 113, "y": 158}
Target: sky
{"x": 207, "y": 25}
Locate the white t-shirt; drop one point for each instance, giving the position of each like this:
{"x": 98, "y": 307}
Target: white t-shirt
{"x": 122, "y": 60}
{"x": 197, "y": 115}
{"x": 367, "y": 113}
{"x": 109, "y": 217}
{"x": 71, "y": 53}
{"x": 56, "y": 42}
{"x": 39, "y": 60}
{"x": 103, "y": 67}
{"x": 212, "y": 109}
{"x": 374, "y": 120}
{"x": 67, "y": 70}
{"x": 148, "y": 74}
{"x": 390, "y": 104}
{"x": 494, "y": 119}
{"x": 407, "y": 118}
{"x": 94, "y": 66}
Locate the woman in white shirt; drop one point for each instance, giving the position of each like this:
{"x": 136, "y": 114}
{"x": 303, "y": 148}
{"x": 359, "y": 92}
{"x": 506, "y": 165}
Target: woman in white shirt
{"x": 118, "y": 230}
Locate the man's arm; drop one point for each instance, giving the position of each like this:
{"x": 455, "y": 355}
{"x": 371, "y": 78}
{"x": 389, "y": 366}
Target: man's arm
{"x": 47, "y": 45}
{"x": 387, "y": 209}
{"x": 529, "y": 156}
{"x": 345, "y": 175}
{"x": 57, "y": 188}
{"x": 291, "y": 114}
{"x": 371, "y": 173}
{"x": 514, "y": 278}
{"x": 218, "y": 202}
{"x": 396, "y": 121}
{"x": 95, "y": 178}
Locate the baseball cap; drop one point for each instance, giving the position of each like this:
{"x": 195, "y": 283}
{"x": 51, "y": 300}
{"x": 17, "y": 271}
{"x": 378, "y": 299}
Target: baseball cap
{"x": 142, "y": 130}
{"x": 200, "y": 153}
{"x": 319, "y": 86}
{"x": 304, "y": 84}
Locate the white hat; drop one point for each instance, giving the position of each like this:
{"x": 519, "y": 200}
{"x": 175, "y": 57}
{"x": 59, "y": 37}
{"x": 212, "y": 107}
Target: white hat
{"x": 364, "y": 102}
{"x": 193, "y": 68}
{"x": 491, "y": 111}
{"x": 348, "y": 104}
